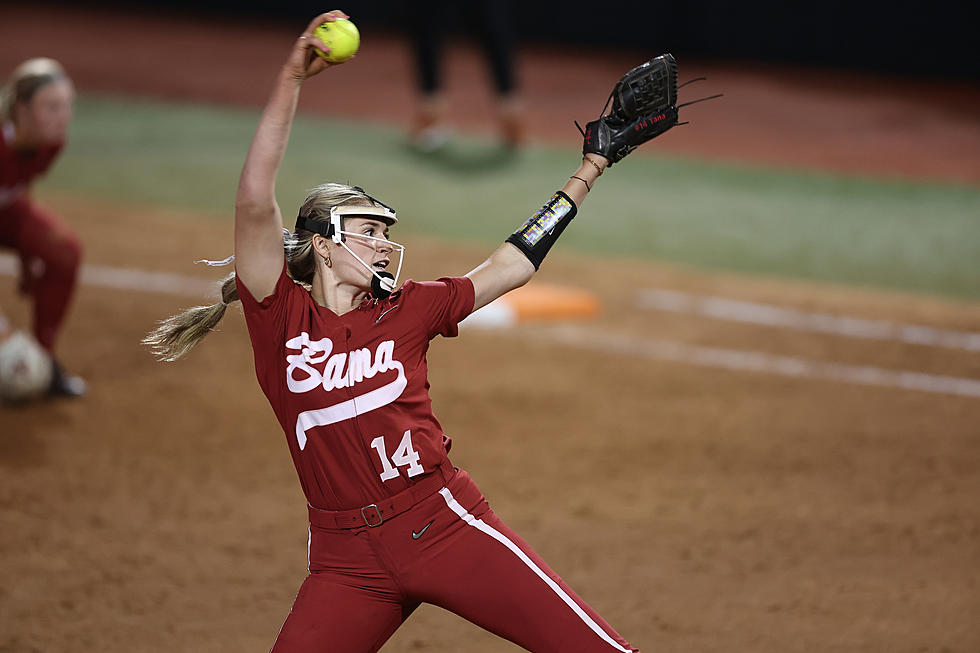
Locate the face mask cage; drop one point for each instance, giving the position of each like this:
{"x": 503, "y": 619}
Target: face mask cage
{"x": 387, "y": 281}
{"x": 383, "y": 283}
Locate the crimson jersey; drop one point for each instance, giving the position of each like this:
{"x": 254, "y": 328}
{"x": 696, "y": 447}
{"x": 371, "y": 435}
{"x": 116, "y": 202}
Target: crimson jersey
{"x": 19, "y": 168}
{"x": 351, "y": 391}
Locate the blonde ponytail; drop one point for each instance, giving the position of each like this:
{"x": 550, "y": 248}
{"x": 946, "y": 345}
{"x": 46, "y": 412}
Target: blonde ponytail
{"x": 180, "y": 333}
{"x": 177, "y": 335}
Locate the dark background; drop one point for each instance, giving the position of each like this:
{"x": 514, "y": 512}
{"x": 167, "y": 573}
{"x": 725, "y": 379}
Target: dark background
{"x": 923, "y": 39}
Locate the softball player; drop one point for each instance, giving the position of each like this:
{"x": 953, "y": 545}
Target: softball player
{"x": 340, "y": 353}
{"x": 4, "y": 326}
{"x": 35, "y": 110}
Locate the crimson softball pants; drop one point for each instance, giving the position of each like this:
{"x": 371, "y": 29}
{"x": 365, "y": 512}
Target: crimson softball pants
{"x": 50, "y": 254}
{"x": 449, "y": 550}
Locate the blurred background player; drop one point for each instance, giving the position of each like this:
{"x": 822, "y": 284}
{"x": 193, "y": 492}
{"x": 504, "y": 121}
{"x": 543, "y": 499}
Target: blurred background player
{"x": 4, "y": 326}
{"x": 35, "y": 112}
{"x": 491, "y": 20}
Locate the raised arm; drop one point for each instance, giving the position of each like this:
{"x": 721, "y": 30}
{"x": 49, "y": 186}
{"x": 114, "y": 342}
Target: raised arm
{"x": 514, "y": 263}
{"x": 258, "y": 222}
{"x": 644, "y": 105}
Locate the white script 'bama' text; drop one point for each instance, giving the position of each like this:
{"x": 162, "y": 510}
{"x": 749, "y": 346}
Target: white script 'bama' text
{"x": 342, "y": 369}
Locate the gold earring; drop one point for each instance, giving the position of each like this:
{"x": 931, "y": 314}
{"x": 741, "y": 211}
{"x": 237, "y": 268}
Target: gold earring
{"x": 326, "y": 261}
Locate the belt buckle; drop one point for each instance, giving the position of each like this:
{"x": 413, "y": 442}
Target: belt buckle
{"x": 377, "y": 511}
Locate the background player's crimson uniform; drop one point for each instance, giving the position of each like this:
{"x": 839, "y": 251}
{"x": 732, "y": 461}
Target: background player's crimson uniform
{"x": 351, "y": 393}
{"x": 49, "y": 250}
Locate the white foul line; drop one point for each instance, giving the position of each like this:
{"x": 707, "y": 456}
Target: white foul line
{"x": 580, "y": 337}
{"x": 766, "y": 314}
{"x": 753, "y": 361}
{"x": 131, "y": 279}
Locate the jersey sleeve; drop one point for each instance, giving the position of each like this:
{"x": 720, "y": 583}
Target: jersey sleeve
{"x": 441, "y": 305}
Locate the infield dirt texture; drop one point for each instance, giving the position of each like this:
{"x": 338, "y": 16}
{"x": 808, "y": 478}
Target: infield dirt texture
{"x": 706, "y": 483}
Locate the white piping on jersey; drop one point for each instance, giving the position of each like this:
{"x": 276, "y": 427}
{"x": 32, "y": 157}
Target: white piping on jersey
{"x": 482, "y": 526}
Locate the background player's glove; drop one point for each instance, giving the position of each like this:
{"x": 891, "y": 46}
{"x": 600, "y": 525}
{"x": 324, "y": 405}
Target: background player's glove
{"x": 644, "y": 105}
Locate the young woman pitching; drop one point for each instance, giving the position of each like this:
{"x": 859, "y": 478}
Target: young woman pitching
{"x": 340, "y": 353}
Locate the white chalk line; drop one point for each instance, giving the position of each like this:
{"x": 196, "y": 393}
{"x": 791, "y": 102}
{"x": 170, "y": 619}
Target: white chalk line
{"x": 584, "y": 338}
{"x": 131, "y": 279}
{"x": 768, "y": 315}
{"x": 753, "y": 361}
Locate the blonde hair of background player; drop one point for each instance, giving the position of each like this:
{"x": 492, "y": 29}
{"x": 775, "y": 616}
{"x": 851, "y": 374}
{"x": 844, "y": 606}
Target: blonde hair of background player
{"x": 25, "y": 81}
{"x": 178, "y": 334}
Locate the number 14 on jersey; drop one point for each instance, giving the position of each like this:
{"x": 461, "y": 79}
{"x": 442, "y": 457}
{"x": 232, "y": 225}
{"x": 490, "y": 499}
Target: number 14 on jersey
{"x": 404, "y": 456}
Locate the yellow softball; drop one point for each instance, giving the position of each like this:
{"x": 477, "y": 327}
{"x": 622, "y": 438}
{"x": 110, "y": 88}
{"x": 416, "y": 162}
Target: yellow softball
{"x": 341, "y": 36}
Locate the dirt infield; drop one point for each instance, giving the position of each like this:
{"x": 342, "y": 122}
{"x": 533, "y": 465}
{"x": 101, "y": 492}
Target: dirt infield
{"x": 696, "y": 508}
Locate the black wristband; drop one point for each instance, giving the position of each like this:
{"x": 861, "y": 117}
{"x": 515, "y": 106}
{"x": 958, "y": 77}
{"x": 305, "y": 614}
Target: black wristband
{"x": 539, "y": 233}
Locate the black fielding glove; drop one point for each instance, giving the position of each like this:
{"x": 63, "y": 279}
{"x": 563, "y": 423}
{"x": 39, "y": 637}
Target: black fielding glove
{"x": 644, "y": 106}
{"x": 614, "y": 138}
{"x": 648, "y": 88}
